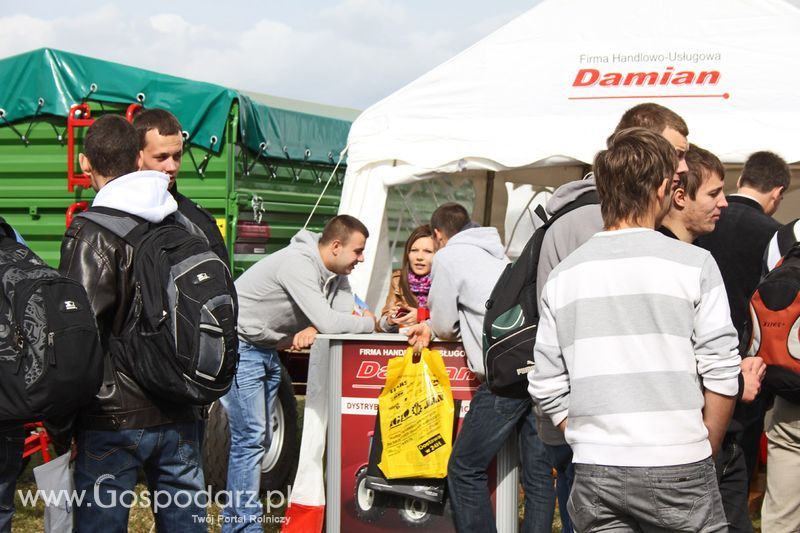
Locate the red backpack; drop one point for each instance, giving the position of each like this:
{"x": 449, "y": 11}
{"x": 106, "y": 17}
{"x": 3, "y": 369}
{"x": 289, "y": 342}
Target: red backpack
{"x": 775, "y": 320}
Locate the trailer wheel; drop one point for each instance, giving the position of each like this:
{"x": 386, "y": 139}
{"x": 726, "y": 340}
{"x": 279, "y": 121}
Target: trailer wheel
{"x": 280, "y": 460}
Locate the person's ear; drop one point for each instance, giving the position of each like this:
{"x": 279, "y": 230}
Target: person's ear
{"x": 140, "y": 160}
{"x": 661, "y": 192}
{"x": 739, "y": 183}
{"x": 679, "y": 197}
{"x": 85, "y": 164}
{"x": 335, "y": 247}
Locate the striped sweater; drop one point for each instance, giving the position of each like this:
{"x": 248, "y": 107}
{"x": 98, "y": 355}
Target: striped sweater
{"x": 633, "y": 326}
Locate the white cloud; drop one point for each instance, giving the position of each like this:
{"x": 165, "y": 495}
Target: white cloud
{"x": 352, "y": 54}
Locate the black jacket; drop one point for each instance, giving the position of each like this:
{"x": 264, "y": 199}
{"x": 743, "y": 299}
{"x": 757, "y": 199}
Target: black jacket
{"x": 102, "y": 263}
{"x": 737, "y": 244}
{"x": 203, "y": 220}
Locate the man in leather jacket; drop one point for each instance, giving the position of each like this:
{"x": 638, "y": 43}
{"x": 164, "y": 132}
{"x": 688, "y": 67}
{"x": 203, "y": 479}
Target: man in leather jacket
{"x": 125, "y": 427}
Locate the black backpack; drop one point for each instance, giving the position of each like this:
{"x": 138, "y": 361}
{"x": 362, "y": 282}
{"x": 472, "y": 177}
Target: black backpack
{"x": 179, "y": 340}
{"x": 51, "y": 362}
{"x": 512, "y": 313}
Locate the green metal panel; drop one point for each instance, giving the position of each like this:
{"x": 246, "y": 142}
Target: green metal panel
{"x": 33, "y": 185}
{"x": 284, "y": 194}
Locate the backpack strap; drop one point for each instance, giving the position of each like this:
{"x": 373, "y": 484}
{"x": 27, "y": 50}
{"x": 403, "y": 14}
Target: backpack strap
{"x": 787, "y": 237}
{"x": 117, "y": 222}
{"x": 541, "y": 213}
{"x": 189, "y": 226}
{"x": 589, "y": 197}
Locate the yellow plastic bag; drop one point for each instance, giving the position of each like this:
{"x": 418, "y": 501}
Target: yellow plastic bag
{"x": 416, "y": 408}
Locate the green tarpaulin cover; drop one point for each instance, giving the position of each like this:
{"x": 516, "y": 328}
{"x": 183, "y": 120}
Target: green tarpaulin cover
{"x": 49, "y": 82}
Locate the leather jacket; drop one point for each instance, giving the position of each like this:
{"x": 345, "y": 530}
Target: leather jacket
{"x": 102, "y": 263}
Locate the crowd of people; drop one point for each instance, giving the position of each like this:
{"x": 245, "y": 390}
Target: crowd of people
{"x": 642, "y": 399}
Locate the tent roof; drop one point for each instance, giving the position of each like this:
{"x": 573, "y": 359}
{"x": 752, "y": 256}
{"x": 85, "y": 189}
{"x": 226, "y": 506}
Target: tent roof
{"x": 545, "y": 85}
{"x": 60, "y": 79}
{"x": 535, "y": 100}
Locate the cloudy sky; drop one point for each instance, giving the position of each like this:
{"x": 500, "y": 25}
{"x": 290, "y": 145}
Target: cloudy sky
{"x": 349, "y": 53}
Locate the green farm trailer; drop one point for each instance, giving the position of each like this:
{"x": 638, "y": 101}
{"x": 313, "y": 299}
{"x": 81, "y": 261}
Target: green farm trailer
{"x": 259, "y": 163}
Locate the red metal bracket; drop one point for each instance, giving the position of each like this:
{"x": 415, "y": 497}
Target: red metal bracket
{"x": 132, "y": 110}
{"x": 74, "y": 209}
{"x": 37, "y": 441}
{"x": 80, "y": 116}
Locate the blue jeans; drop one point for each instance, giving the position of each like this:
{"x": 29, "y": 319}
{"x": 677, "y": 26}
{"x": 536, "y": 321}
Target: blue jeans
{"x": 247, "y": 403}
{"x": 664, "y": 499}
{"x": 490, "y": 421}
{"x": 11, "y": 442}
{"x": 106, "y": 469}
{"x": 560, "y": 457}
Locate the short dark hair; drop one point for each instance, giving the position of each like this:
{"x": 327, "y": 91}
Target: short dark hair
{"x": 341, "y": 227}
{"x": 702, "y": 165}
{"x": 160, "y": 120}
{"x": 627, "y": 174}
{"x": 653, "y": 117}
{"x": 111, "y": 146}
{"x": 764, "y": 171}
{"x": 449, "y": 218}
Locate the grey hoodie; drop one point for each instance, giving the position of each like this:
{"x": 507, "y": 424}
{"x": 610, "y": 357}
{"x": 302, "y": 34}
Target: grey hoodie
{"x": 564, "y": 236}
{"x": 290, "y": 290}
{"x": 568, "y": 232}
{"x": 463, "y": 275}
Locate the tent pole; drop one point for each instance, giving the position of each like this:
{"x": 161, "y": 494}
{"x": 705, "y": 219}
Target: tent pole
{"x": 488, "y": 199}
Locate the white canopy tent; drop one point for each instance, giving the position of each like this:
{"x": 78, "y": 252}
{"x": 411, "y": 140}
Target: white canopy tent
{"x": 534, "y": 101}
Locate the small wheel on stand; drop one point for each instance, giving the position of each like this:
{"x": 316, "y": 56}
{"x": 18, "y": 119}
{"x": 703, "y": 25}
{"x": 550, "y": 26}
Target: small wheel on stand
{"x": 415, "y": 513}
{"x": 369, "y": 504}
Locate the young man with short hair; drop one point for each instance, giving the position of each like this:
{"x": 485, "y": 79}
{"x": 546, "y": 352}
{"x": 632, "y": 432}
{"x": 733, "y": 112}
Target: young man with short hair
{"x": 284, "y": 301}
{"x": 125, "y": 427}
{"x": 695, "y": 209}
{"x": 161, "y": 142}
{"x": 698, "y": 200}
{"x": 636, "y": 357}
{"x": 467, "y": 264}
{"x": 738, "y": 244}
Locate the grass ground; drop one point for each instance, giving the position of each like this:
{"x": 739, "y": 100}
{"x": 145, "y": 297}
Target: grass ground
{"x": 31, "y": 519}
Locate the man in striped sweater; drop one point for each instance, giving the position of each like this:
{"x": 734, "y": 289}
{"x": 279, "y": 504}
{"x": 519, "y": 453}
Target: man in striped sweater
{"x": 636, "y": 356}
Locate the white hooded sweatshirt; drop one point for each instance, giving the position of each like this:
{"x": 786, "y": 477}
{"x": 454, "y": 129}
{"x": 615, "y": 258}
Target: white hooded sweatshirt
{"x": 143, "y": 193}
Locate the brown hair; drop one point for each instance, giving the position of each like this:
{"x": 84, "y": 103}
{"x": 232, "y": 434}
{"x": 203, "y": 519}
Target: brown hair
{"x": 449, "y": 218}
{"x": 160, "y": 120}
{"x": 111, "y": 146}
{"x": 627, "y": 174}
{"x": 764, "y": 171}
{"x": 405, "y": 290}
{"x": 653, "y": 117}
{"x": 702, "y": 165}
{"x": 340, "y": 228}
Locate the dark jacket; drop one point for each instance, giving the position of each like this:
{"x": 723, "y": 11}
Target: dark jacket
{"x": 737, "y": 244}
{"x": 102, "y": 263}
{"x": 203, "y": 220}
